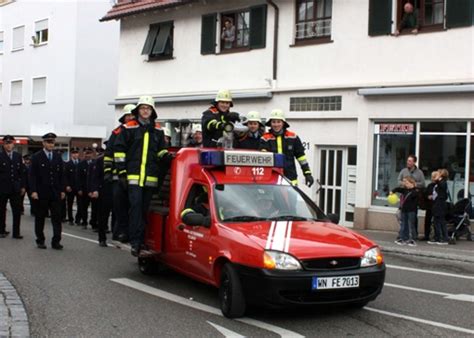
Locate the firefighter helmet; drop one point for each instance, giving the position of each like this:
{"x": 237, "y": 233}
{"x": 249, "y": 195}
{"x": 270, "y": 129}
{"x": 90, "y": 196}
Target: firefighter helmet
{"x": 196, "y": 128}
{"x": 277, "y": 114}
{"x": 146, "y": 100}
{"x": 253, "y": 116}
{"x": 223, "y": 95}
{"x": 125, "y": 111}
{"x": 167, "y": 131}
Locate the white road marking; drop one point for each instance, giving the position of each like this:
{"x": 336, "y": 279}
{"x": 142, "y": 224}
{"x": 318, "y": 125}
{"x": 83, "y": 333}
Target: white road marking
{"x": 398, "y": 267}
{"x": 461, "y": 297}
{"x": 119, "y": 245}
{"x": 202, "y": 307}
{"x": 419, "y": 320}
{"x": 225, "y": 332}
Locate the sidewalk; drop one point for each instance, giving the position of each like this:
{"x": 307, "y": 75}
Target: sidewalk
{"x": 13, "y": 317}
{"x": 462, "y": 251}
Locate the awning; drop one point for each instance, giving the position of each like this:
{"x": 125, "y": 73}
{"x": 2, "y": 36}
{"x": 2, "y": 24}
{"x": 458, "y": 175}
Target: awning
{"x": 416, "y": 90}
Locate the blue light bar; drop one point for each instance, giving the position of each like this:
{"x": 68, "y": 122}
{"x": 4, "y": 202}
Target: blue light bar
{"x": 279, "y": 160}
{"x": 215, "y": 158}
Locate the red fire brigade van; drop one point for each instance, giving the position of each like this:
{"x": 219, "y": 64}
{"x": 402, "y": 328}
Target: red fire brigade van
{"x": 230, "y": 218}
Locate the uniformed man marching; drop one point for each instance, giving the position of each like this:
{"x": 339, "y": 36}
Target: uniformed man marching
{"x": 139, "y": 153}
{"x": 84, "y": 193}
{"x": 12, "y": 185}
{"x": 215, "y": 119}
{"x": 283, "y": 141}
{"x": 72, "y": 186}
{"x": 47, "y": 189}
{"x": 251, "y": 138}
{"x": 119, "y": 191}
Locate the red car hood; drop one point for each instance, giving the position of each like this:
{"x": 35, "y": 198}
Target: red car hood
{"x": 305, "y": 240}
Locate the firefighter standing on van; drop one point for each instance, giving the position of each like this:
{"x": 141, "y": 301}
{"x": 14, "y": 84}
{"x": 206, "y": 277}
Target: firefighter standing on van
{"x": 251, "y": 138}
{"x": 120, "y": 195}
{"x": 282, "y": 141}
{"x": 139, "y": 154}
{"x": 216, "y": 118}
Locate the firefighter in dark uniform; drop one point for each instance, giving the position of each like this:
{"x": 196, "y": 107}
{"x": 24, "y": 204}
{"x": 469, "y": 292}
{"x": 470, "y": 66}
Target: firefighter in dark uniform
{"x": 94, "y": 198}
{"x": 12, "y": 185}
{"x": 72, "y": 186}
{"x": 251, "y": 138}
{"x": 120, "y": 194}
{"x": 83, "y": 193}
{"x": 140, "y": 155}
{"x": 47, "y": 189}
{"x": 216, "y": 118}
{"x": 282, "y": 141}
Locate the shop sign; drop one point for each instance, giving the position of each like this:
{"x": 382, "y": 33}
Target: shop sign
{"x": 395, "y": 129}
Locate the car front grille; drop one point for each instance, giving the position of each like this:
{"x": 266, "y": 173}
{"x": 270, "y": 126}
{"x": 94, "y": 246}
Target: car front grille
{"x": 332, "y": 264}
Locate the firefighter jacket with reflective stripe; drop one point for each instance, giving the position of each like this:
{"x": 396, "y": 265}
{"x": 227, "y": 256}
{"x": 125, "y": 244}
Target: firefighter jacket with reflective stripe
{"x": 138, "y": 149}
{"x": 213, "y": 121}
{"x": 289, "y": 144}
{"x": 109, "y": 166}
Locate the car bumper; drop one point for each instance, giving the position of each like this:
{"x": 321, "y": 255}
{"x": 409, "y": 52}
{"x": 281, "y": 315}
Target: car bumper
{"x": 286, "y": 288}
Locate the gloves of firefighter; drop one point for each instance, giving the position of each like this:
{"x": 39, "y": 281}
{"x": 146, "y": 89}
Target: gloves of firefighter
{"x": 232, "y": 117}
{"x": 309, "y": 180}
{"x": 166, "y": 159}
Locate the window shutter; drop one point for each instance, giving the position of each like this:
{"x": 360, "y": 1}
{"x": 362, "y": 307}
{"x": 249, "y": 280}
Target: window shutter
{"x": 208, "y": 34}
{"x": 258, "y": 26}
{"x": 162, "y": 38}
{"x": 380, "y": 17}
{"x": 459, "y": 13}
{"x": 150, "y": 39}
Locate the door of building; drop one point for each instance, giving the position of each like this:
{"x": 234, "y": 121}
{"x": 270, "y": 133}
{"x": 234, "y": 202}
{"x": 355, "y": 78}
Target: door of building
{"x": 336, "y": 183}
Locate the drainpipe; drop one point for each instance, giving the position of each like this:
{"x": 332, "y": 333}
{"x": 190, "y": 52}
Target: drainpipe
{"x": 275, "y": 38}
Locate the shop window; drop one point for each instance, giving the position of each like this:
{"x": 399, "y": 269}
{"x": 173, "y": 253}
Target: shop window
{"x": 238, "y": 30}
{"x": 159, "y": 42}
{"x": 313, "y": 19}
{"x": 316, "y": 103}
{"x": 392, "y": 144}
{"x": 41, "y": 32}
{"x": 471, "y": 172}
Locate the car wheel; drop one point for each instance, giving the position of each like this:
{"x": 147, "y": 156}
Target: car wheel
{"x": 231, "y": 295}
{"x": 147, "y": 266}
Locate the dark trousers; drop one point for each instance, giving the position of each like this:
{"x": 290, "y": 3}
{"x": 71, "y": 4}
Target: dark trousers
{"x": 441, "y": 231}
{"x": 428, "y": 223}
{"x": 70, "y": 202}
{"x": 32, "y": 205}
{"x": 105, "y": 203}
{"x": 43, "y": 205}
{"x": 63, "y": 209}
{"x": 85, "y": 202}
{"x": 121, "y": 208}
{"x": 15, "y": 203}
{"x": 84, "y": 206}
{"x": 139, "y": 199}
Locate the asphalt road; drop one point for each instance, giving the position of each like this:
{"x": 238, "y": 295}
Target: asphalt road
{"x": 86, "y": 290}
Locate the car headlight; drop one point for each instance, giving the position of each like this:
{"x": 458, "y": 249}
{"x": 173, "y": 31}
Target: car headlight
{"x": 372, "y": 257}
{"x": 274, "y": 260}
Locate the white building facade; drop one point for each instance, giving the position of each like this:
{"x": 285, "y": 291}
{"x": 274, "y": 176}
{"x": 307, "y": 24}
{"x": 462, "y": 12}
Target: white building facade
{"x": 57, "y": 71}
{"x": 359, "y": 97}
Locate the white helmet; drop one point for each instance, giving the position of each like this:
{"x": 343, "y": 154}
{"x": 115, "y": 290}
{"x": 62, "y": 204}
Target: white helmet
{"x": 196, "y": 127}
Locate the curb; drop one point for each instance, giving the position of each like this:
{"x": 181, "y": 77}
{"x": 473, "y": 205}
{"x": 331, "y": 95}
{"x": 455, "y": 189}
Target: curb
{"x": 13, "y": 317}
{"x": 425, "y": 253}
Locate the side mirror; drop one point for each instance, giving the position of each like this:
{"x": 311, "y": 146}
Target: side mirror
{"x": 195, "y": 219}
{"x": 334, "y": 218}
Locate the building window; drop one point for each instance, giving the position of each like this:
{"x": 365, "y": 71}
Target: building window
{"x": 1, "y": 43}
{"x": 1, "y": 93}
{"x": 159, "y": 42}
{"x": 320, "y": 103}
{"x": 426, "y": 14}
{"x": 16, "y": 92}
{"x": 39, "y": 90}
{"x": 18, "y": 40}
{"x": 313, "y": 19}
{"x": 238, "y": 30}
{"x": 41, "y": 32}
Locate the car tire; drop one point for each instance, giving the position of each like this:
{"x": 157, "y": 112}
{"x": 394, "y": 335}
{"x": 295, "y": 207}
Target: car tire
{"x": 231, "y": 295}
{"x": 148, "y": 266}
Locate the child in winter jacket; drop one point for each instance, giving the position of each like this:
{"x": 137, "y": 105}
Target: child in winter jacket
{"x": 439, "y": 197}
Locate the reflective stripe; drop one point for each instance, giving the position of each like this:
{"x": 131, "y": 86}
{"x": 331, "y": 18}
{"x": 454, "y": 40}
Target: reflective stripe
{"x": 146, "y": 139}
{"x": 108, "y": 159}
{"x": 115, "y": 177}
{"x": 186, "y": 211}
{"x": 133, "y": 177}
{"x": 151, "y": 184}
{"x": 107, "y": 170}
{"x": 133, "y": 182}
{"x": 279, "y": 145}
{"x": 162, "y": 153}
{"x": 152, "y": 179}
{"x": 294, "y": 182}
{"x": 122, "y": 172}
{"x": 307, "y": 172}
{"x": 212, "y": 122}
{"x": 120, "y": 160}
{"x": 301, "y": 158}
{"x": 119, "y": 155}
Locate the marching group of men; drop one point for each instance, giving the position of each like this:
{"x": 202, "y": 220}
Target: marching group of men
{"x": 121, "y": 180}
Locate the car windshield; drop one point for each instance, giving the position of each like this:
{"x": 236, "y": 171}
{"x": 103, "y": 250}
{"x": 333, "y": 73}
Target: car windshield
{"x": 257, "y": 202}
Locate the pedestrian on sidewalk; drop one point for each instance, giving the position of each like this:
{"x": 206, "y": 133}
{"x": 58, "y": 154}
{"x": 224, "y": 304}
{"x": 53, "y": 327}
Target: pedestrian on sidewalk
{"x": 439, "y": 197}
{"x": 429, "y": 206}
{"x": 409, "y": 206}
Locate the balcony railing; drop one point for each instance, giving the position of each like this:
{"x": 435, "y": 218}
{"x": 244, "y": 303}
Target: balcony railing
{"x": 313, "y": 29}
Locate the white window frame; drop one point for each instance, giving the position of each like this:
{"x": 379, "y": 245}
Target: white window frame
{"x": 33, "y": 89}
{"x": 1, "y": 93}
{"x": 45, "y": 42}
{"x": 24, "y": 31}
{"x": 21, "y": 101}
{"x": 3, "y": 41}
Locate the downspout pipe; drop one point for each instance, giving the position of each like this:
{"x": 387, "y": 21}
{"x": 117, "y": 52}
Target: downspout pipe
{"x": 275, "y": 38}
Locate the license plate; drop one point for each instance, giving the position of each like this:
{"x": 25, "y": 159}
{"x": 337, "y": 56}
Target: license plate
{"x": 324, "y": 283}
